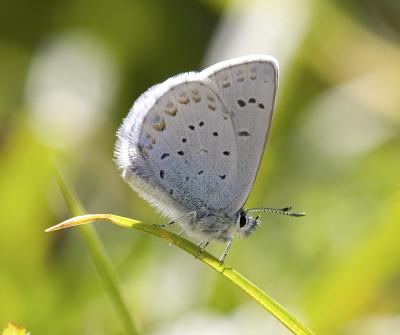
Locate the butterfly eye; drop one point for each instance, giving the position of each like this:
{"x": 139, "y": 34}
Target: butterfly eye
{"x": 242, "y": 220}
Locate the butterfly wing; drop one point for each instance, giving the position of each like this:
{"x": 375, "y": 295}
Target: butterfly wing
{"x": 247, "y": 87}
{"x": 177, "y": 147}
{"x": 195, "y": 142}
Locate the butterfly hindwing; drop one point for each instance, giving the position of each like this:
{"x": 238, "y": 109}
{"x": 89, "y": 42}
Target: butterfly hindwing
{"x": 188, "y": 142}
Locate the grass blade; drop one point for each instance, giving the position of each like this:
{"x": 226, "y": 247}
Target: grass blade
{"x": 235, "y": 277}
{"x": 100, "y": 258}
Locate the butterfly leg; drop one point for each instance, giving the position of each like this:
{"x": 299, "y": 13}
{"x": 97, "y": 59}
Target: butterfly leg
{"x": 191, "y": 215}
{"x": 228, "y": 245}
{"x": 202, "y": 245}
{"x": 163, "y": 225}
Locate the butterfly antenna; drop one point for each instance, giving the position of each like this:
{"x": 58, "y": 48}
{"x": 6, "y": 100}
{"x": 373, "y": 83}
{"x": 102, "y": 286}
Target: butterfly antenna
{"x": 282, "y": 211}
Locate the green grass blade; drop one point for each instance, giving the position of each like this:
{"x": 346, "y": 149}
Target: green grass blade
{"x": 235, "y": 277}
{"x": 100, "y": 259}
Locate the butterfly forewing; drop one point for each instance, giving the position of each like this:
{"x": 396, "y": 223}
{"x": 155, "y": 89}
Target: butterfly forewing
{"x": 247, "y": 89}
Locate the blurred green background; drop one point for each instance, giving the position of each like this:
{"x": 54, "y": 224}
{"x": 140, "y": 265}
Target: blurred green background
{"x": 70, "y": 71}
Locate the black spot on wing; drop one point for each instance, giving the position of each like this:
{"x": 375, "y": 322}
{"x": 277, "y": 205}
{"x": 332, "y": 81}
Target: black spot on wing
{"x": 164, "y": 155}
{"x": 243, "y": 133}
{"x": 241, "y": 103}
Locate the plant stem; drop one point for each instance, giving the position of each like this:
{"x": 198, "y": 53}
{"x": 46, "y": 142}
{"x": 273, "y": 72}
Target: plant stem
{"x": 101, "y": 260}
{"x": 235, "y": 277}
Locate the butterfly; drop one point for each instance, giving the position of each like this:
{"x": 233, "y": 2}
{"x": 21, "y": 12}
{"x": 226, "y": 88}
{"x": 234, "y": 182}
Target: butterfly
{"x": 192, "y": 145}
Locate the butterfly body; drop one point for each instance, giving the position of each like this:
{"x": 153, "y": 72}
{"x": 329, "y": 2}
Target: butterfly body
{"x": 192, "y": 145}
